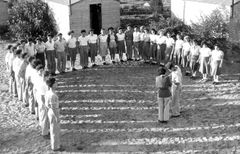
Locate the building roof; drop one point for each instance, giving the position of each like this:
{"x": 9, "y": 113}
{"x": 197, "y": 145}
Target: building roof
{"x": 220, "y": 2}
{"x": 69, "y": 2}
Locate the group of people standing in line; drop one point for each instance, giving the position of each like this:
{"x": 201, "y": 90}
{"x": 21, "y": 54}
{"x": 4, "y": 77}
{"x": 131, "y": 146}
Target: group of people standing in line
{"x": 190, "y": 58}
{"x": 33, "y": 83}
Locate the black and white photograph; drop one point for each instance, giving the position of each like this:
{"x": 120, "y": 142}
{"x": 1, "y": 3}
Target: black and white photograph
{"x": 119, "y": 76}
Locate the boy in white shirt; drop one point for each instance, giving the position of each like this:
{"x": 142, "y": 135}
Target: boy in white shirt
{"x": 22, "y": 73}
{"x": 16, "y": 68}
{"x": 50, "y": 55}
{"x": 72, "y": 49}
{"x": 177, "y": 80}
{"x": 83, "y": 43}
{"x": 30, "y": 48}
{"x": 8, "y": 62}
{"x": 153, "y": 44}
{"x": 205, "y": 54}
{"x": 216, "y": 63}
{"x": 41, "y": 89}
{"x": 29, "y": 86}
{"x": 170, "y": 47}
{"x": 92, "y": 41}
{"x": 121, "y": 43}
{"x": 161, "y": 42}
{"x": 141, "y": 42}
{"x": 178, "y": 50}
{"x": 136, "y": 40}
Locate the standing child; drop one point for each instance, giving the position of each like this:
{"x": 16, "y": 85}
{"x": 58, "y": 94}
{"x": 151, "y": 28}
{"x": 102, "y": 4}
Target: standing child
{"x": 92, "y": 41}
{"x": 40, "y": 51}
{"x": 186, "y": 52}
{"x": 141, "y": 42}
{"x": 136, "y": 40}
{"x": 22, "y": 73}
{"x": 83, "y": 43}
{"x": 176, "y": 75}
{"x": 16, "y": 68}
{"x": 129, "y": 42}
{"x": 121, "y": 43}
{"x": 8, "y": 62}
{"x": 178, "y": 50}
{"x": 41, "y": 89}
{"x": 112, "y": 43}
{"x": 153, "y": 45}
{"x": 161, "y": 42}
{"x": 72, "y": 49}
{"x": 146, "y": 46}
{"x": 216, "y": 63}
{"x": 205, "y": 54}
{"x": 50, "y": 55}
{"x": 194, "y": 56}
{"x": 103, "y": 47}
{"x": 52, "y": 103}
{"x": 170, "y": 47}
{"x": 28, "y": 93}
{"x": 163, "y": 83}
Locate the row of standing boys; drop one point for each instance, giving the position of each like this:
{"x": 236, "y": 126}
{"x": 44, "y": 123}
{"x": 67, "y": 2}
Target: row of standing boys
{"x": 35, "y": 88}
{"x": 191, "y": 58}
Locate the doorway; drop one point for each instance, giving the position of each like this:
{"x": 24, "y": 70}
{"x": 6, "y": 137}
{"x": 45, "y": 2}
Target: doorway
{"x": 96, "y": 17}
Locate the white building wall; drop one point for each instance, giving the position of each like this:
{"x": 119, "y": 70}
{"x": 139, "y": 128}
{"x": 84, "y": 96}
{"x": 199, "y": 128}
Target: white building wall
{"x": 61, "y": 14}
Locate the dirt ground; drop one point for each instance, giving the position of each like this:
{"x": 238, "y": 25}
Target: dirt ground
{"x": 113, "y": 109}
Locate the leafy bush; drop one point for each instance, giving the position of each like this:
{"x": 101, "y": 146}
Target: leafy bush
{"x": 214, "y": 28}
{"x": 31, "y": 19}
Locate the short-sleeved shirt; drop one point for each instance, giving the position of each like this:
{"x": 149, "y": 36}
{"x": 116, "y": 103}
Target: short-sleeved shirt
{"x": 60, "y": 45}
{"x": 120, "y": 37}
{"x": 136, "y": 36}
{"x": 217, "y": 55}
{"x": 83, "y": 41}
{"x": 41, "y": 87}
{"x": 186, "y": 48}
{"x": 72, "y": 42}
{"x": 30, "y": 49}
{"x": 49, "y": 45}
{"x": 205, "y": 52}
{"x": 170, "y": 42}
{"x": 40, "y": 48}
{"x": 51, "y": 99}
{"x": 179, "y": 44}
{"x": 177, "y": 75}
{"x": 142, "y": 36}
{"x": 195, "y": 50}
{"x": 92, "y": 39}
{"x": 146, "y": 37}
{"x": 103, "y": 38}
{"x": 153, "y": 38}
{"x": 16, "y": 65}
{"x": 161, "y": 40}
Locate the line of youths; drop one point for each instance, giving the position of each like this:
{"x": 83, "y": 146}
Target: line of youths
{"x": 35, "y": 88}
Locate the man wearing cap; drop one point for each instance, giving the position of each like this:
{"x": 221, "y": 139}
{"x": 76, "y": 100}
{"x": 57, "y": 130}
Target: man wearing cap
{"x": 60, "y": 46}
{"x": 72, "y": 48}
{"x": 83, "y": 43}
{"x": 129, "y": 42}
{"x": 50, "y": 55}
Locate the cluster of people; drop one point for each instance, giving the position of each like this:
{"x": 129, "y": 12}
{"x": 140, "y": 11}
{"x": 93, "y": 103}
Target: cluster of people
{"x": 191, "y": 58}
{"x": 31, "y": 84}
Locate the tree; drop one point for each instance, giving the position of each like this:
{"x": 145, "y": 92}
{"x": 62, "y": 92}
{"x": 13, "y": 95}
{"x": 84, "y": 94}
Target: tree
{"x": 157, "y": 7}
{"x": 31, "y": 19}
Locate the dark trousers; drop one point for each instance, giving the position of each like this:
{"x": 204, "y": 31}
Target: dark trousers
{"x": 146, "y": 48}
{"x": 121, "y": 48}
{"x": 153, "y": 51}
{"x": 129, "y": 44}
{"x": 41, "y": 57}
{"x": 161, "y": 53}
{"x": 93, "y": 51}
{"x": 51, "y": 63}
{"x": 136, "y": 50}
{"x": 84, "y": 56}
